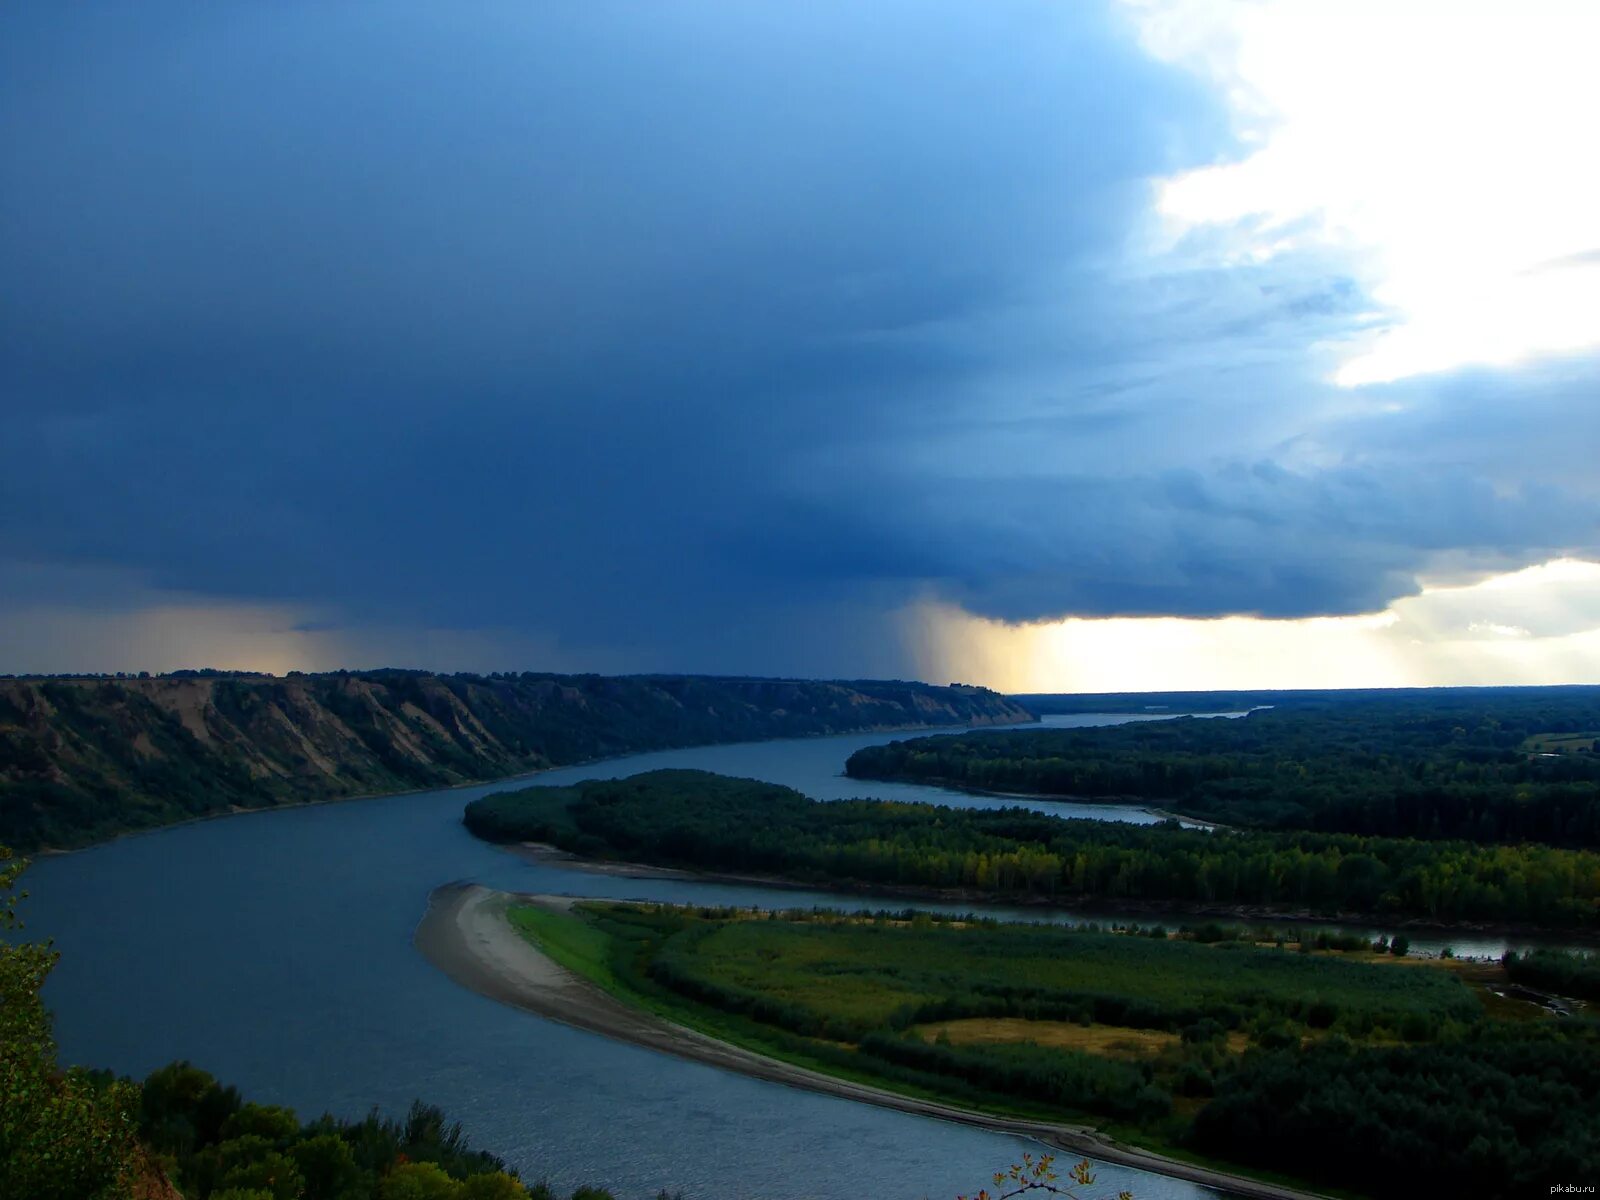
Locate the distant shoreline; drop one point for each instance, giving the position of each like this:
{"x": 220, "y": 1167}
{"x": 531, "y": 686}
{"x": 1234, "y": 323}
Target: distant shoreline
{"x": 465, "y": 934}
{"x": 955, "y": 785}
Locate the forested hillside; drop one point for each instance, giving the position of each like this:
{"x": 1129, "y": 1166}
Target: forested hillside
{"x": 1486, "y": 765}
{"x": 81, "y": 759}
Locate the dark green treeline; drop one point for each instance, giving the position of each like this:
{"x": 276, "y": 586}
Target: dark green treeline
{"x": 1479, "y": 765}
{"x": 700, "y": 820}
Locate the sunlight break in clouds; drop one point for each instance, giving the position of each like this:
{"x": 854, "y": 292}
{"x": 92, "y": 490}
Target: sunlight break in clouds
{"x": 1536, "y": 626}
{"x": 1447, "y": 146}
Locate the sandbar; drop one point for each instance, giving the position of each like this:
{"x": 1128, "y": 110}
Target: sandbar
{"x": 466, "y": 935}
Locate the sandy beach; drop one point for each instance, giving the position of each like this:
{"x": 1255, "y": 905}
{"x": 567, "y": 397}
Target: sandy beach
{"x": 466, "y": 935}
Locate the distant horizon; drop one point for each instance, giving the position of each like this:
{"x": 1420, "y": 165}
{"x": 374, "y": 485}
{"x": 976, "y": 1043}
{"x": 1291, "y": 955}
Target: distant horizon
{"x": 218, "y": 672}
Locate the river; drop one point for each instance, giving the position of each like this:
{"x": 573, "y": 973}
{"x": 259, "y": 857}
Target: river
{"x": 274, "y": 949}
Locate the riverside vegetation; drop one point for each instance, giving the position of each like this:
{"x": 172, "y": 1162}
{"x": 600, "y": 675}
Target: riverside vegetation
{"x": 85, "y": 758}
{"x": 703, "y": 821}
{"x": 1322, "y": 1060}
{"x": 1354, "y": 1070}
{"x": 1488, "y": 766}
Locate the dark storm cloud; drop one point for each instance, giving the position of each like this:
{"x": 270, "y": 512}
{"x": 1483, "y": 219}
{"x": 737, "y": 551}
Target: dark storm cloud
{"x": 1242, "y": 539}
{"x": 671, "y": 329}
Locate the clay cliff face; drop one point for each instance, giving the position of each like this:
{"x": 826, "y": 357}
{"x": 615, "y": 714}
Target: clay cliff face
{"x": 81, "y": 759}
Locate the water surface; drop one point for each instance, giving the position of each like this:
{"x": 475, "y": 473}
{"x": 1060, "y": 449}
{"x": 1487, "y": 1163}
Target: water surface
{"x": 274, "y": 949}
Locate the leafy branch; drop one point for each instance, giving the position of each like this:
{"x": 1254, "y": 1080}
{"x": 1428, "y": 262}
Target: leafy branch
{"x": 1039, "y": 1175}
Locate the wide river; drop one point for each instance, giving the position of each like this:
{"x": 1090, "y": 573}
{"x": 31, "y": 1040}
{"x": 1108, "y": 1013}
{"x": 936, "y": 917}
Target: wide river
{"x": 274, "y": 949}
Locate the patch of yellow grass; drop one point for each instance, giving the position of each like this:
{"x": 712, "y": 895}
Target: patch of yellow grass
{"x": 1560, "y": 743}
{"x": 1109, "y": 1041}
{"x": 1378, "y": 959}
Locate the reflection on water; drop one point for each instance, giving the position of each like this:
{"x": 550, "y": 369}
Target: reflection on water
{"x": 274, "y": 949}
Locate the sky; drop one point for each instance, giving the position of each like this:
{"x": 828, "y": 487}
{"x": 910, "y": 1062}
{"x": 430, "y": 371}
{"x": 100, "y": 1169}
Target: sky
{"x": 1104, "y": 345}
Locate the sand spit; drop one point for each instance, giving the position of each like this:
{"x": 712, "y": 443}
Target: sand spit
{"x": 466, "y": 935}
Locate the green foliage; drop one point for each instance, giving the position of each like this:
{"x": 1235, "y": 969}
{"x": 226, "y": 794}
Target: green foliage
{"x": 1569, "y": 973}
{"x": 1466, "y": 1106}
{"x": 825, "y": 976}
{"x": 1434, "y": 764}
{"x": 493, "y": 1186}
{"x": 418, "y": 1181}
{"x": 846, "y": 991}
{"x": 63, "y": 1135}
{"x": 697, "y": 819}
{"x": 1074, "y": 1081}
{"x": 328, "y": 1165}
{"x": 1505, "y": 1111}
{"x": 269, "y": 1121}
{"x": 182, "y": 1108}
{"x": 271, "y": 1172}
{"x": 215, "y": 1145}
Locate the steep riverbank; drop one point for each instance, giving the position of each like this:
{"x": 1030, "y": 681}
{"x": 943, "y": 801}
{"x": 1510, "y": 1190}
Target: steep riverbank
{"x": 83, "y": 759}
{"x": 465, "y": 934}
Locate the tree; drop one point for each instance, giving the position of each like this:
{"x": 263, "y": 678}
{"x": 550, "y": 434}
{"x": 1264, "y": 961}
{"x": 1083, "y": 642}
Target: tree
{"x": 271, "y": 1121}
{"x": 65, "y": 1135}
{"x": 273, "y": 1173}
{"x": 328, "y": 1166}
{"x": 1039, "y": 1175}
{"x": 183, "y": 1108}
{"x": 419, "y": 1181}
{"x": 494, "y": 1185}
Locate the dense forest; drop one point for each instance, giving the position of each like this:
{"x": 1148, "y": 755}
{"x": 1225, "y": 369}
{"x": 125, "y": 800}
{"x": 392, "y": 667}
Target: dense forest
{"x": 85, "y": 758}
{"x": 1489, "y": 766}
{"x": 1343, "y": 1070}
{"x": 1502, "y": 1109}
{"x": 708, "y": 822}
{"x": 1241, "y": 700}
{"x": 1567, "y": 972}
{"x": 211, "y": 1145}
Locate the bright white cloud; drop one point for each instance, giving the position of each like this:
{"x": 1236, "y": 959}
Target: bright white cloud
{"x": 1446, "y": 145}
{"x": 1536, "y": 626}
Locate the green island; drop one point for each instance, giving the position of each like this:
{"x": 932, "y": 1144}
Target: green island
{"x": 1373, "y": 1073}
{"x": 1483, "y": 765}
{"x": 710, "y": 823}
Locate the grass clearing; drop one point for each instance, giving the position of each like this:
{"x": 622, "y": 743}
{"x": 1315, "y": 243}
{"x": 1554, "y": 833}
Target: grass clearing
{"x": 573, "y": 942}
{"x": 1109, "y": 1041}
{"x": 852, "y": 975}
{"x": 1560, "y": 743}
